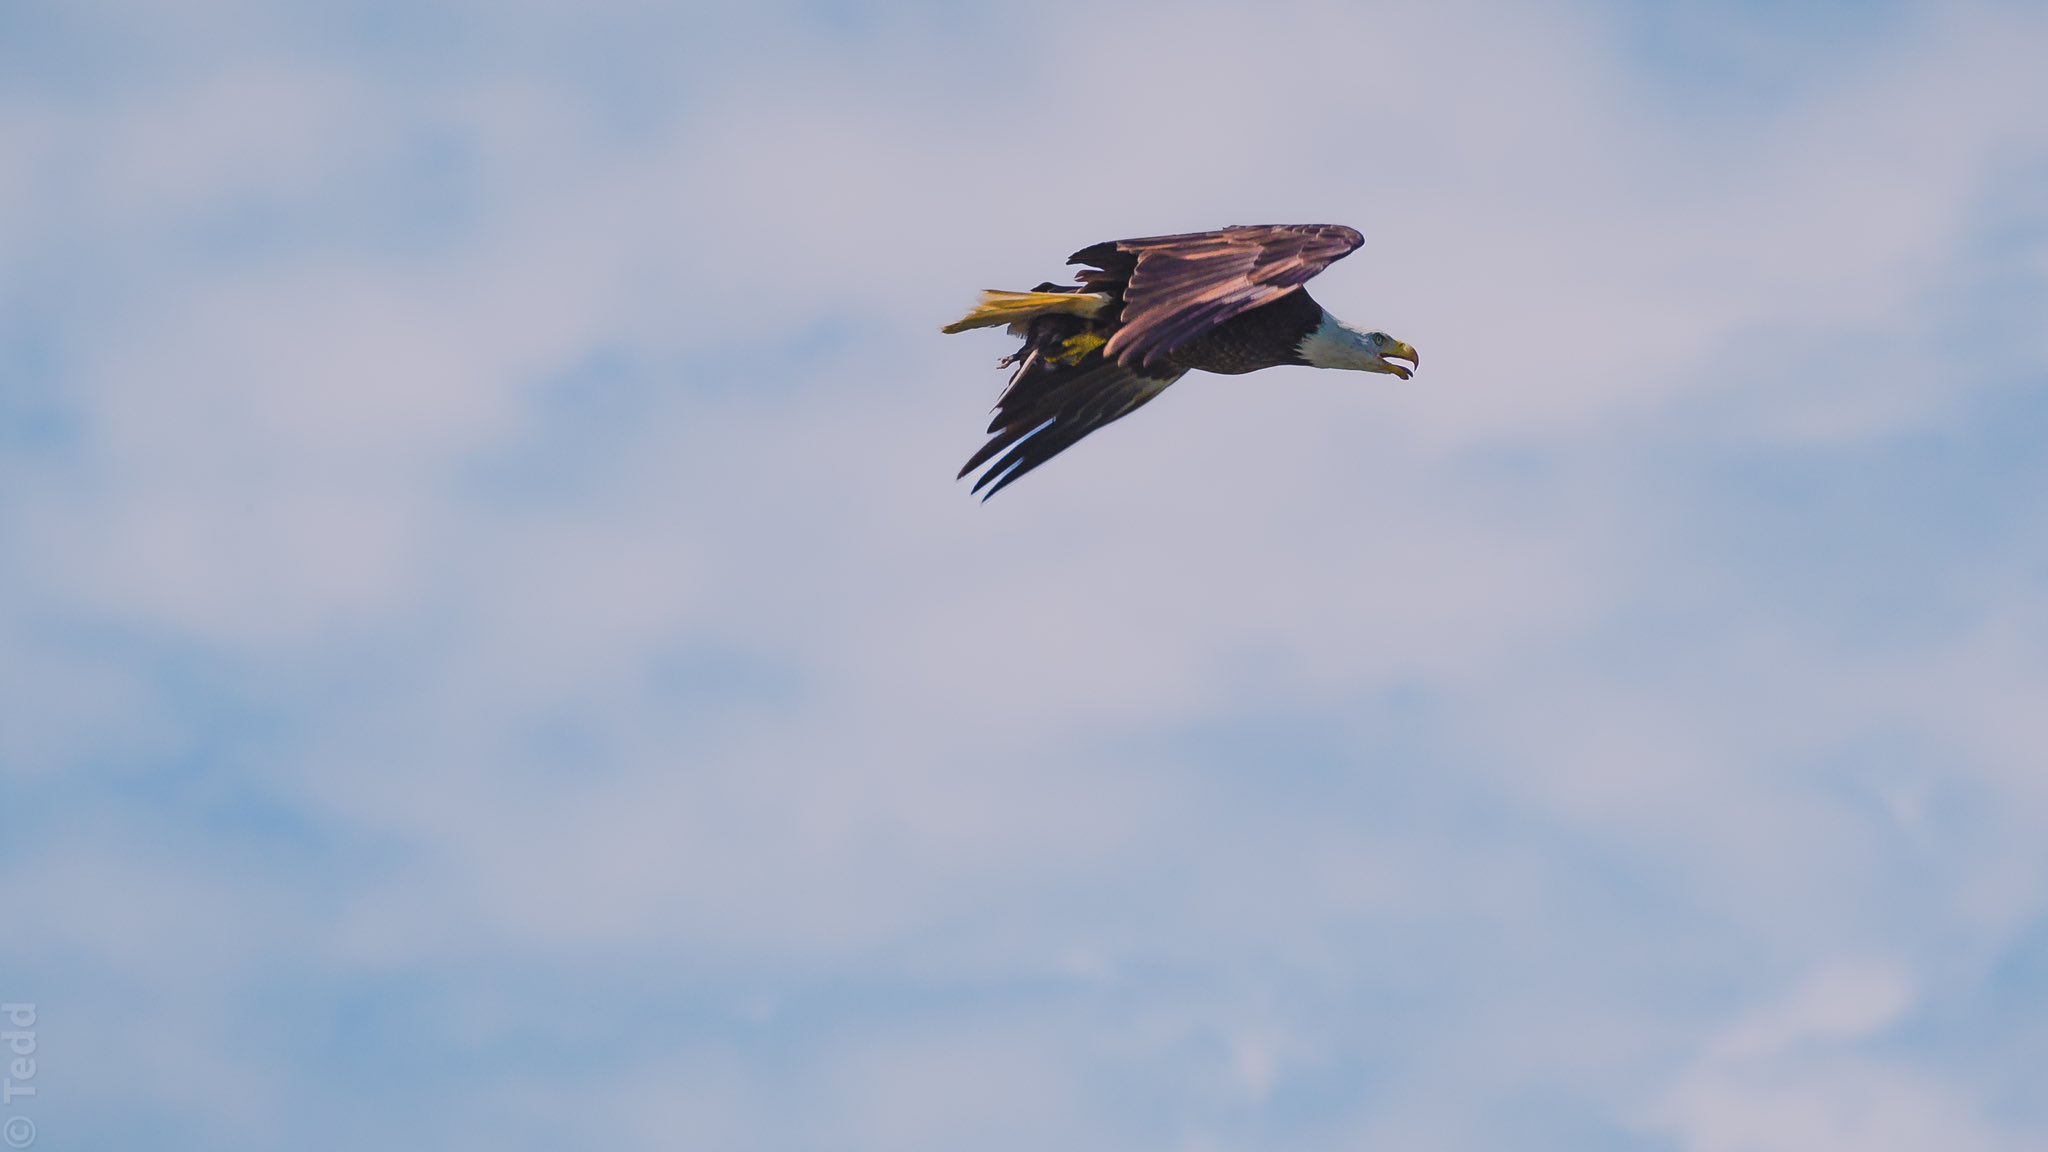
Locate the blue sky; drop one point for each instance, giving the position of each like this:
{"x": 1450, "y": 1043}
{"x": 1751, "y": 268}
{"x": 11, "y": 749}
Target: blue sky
{"x": 491, "y": 654}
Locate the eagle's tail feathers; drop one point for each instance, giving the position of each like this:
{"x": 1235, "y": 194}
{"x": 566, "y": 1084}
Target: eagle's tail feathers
{"x": 998, "y": 307}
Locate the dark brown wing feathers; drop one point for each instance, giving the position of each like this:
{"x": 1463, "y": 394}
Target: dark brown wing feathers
{"x": 1050, "y": 404}
{"x": 1176, "y": 287}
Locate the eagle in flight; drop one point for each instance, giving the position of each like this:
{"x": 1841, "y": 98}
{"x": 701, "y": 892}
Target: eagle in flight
{"x": 1147, "y": 312}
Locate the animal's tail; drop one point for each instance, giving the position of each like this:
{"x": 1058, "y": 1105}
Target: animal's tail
{"x": 1017, "y": 307}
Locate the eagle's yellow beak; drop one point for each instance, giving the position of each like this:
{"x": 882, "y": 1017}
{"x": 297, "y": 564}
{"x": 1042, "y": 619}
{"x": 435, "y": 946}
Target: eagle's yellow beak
{"x": 1402, "y": 351}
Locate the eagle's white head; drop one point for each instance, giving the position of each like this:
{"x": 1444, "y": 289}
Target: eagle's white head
{"x": 1335, "y": 344}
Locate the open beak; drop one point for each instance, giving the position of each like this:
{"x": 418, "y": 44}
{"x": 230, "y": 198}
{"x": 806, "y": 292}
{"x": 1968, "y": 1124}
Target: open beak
{"x": 1401, "y": 351}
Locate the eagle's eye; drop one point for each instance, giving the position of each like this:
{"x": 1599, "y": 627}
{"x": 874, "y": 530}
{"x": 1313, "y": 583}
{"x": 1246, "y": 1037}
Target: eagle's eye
{"x": 1378, "y": 338}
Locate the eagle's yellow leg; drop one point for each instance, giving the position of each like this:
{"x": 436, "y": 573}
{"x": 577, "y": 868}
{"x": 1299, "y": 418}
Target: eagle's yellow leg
{"x": 1075, "y": 349}
{"x": 1014, "y": 307}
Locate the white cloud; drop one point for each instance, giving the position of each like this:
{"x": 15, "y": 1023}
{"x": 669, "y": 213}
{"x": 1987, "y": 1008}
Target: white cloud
{"x": 1797, "y": 1075}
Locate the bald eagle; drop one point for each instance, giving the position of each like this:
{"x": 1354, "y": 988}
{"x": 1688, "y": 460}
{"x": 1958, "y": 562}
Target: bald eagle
{"x": 1147, "y": 312}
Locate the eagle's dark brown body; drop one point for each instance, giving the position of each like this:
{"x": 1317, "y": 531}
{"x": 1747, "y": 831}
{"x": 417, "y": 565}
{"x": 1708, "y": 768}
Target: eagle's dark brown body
{"x": 1265, "y": 337}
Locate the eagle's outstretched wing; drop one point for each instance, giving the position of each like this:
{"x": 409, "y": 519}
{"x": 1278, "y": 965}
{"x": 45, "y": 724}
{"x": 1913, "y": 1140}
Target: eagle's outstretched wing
{"x": 1051, "y": 403}
{"x": 1174, "y": 288}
